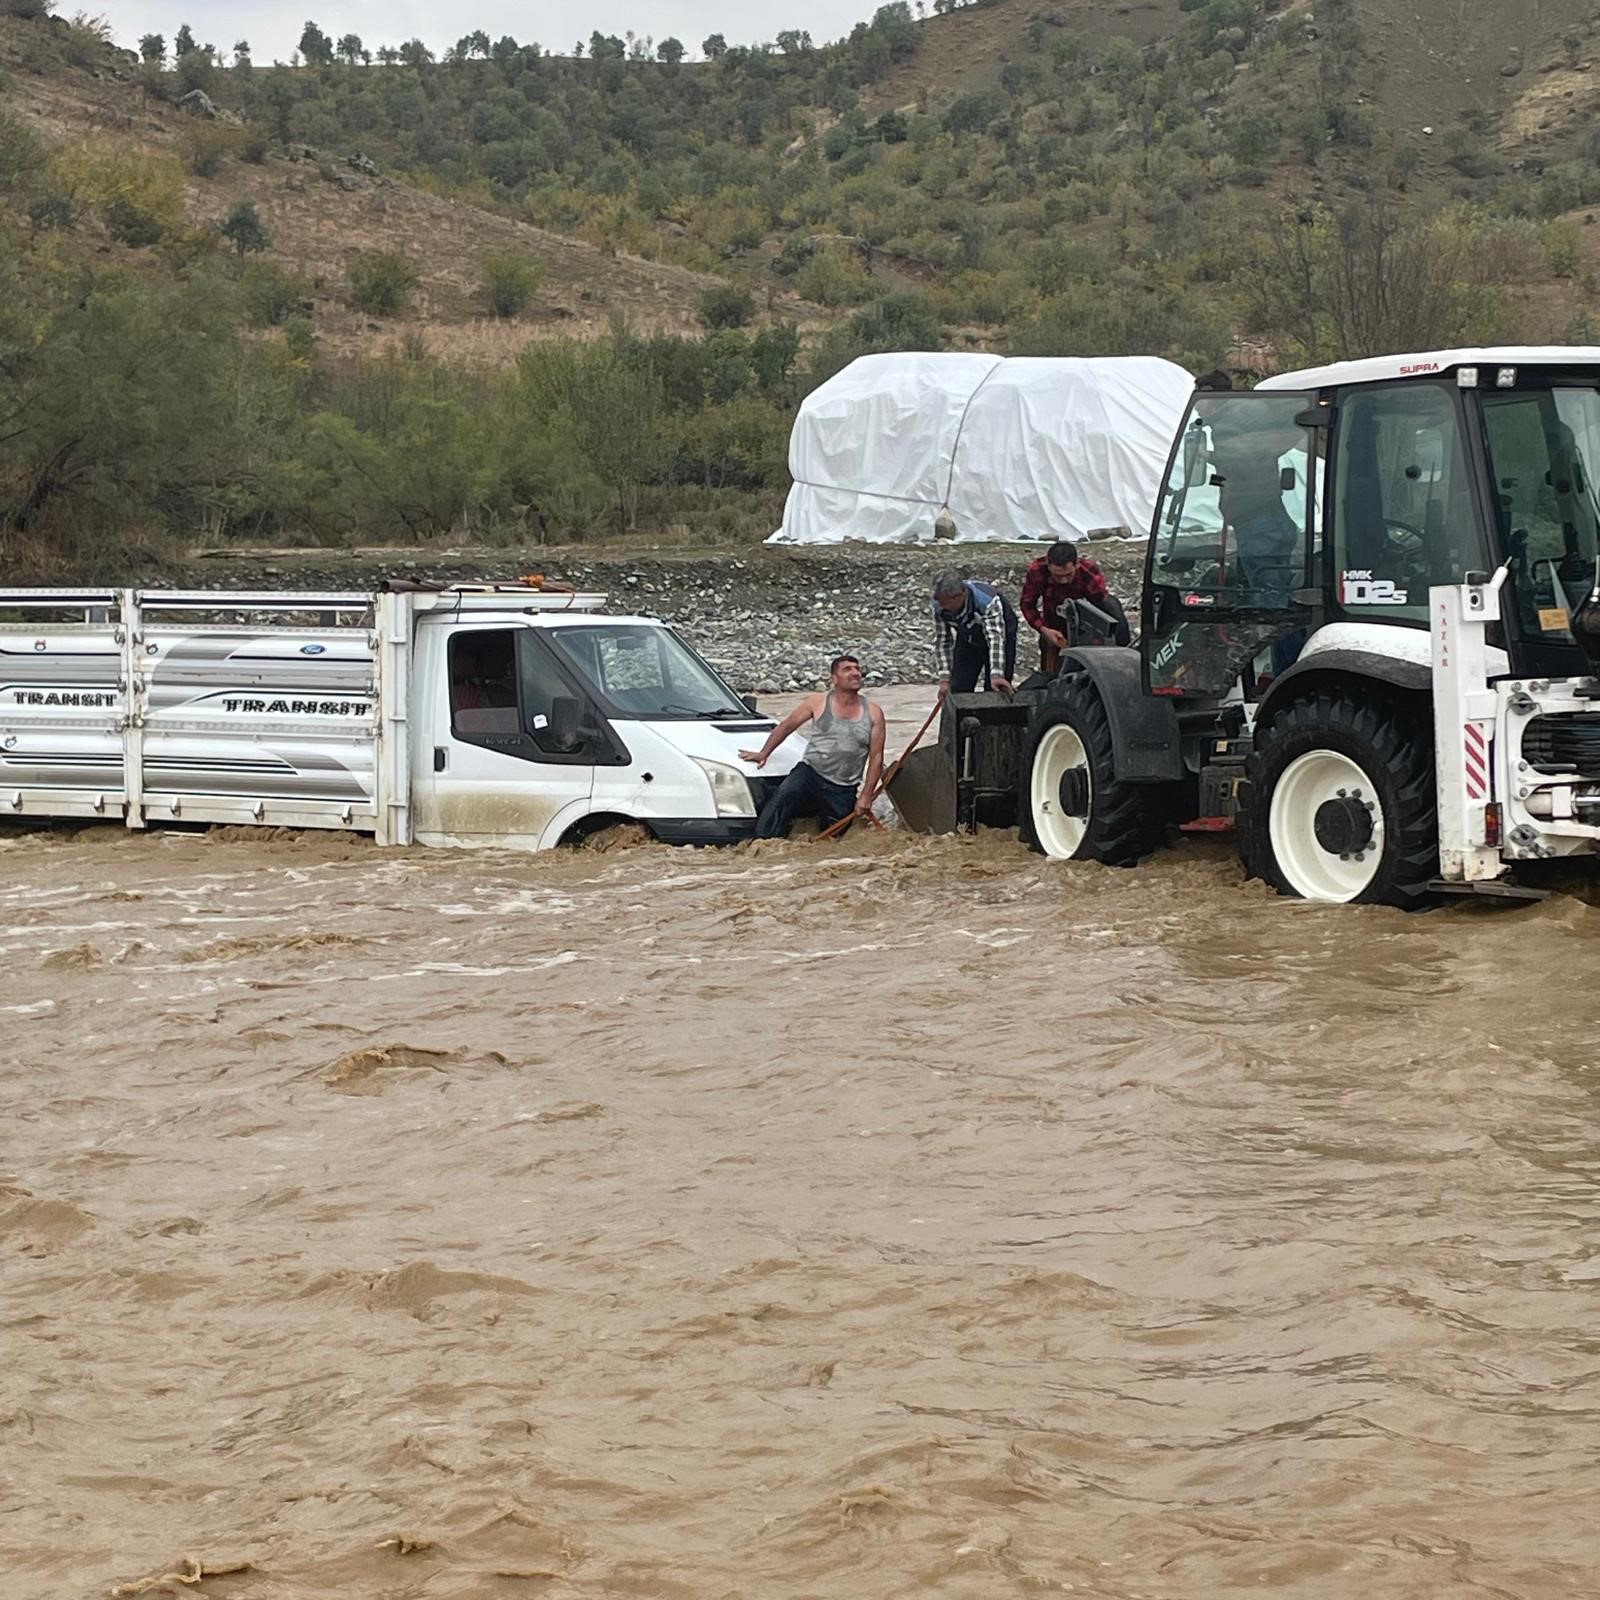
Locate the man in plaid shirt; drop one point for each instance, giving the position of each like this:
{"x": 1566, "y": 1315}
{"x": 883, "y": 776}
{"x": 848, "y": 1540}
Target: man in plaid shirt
{"x": 974, "y": 635}
{"x": 1060, "y": 575}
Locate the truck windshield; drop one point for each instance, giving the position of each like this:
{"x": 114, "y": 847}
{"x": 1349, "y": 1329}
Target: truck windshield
{"x": 1544, "y": 450}
{"x": 641, "y": 671}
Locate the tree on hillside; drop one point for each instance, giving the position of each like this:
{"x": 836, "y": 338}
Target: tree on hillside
{"x": 614, "y": 406}
{"x": 243, "y": 229}
{"x": 729, "y": 305}
{"x": 183, "y": 41}
{"x": 714, "y": 48}
{"x": 281, "y": 98}
{"x": 153, "y": 47}
{"x": 892, "y": 127}
{"x": 893, "y": 22}
{"x": 414, "y": 53}
{"x": 606, "y": 47}
{"x": 671, "y": 51}
{"x": 1334, "y": 287}
{"x": 350, "y": 48}
{"x": 794, "y": 41}
{"x": 195, "y": 70}
{"x": 507, "y": 282}
{"x": 241, "y": 53}
{"x": 316, "y": 46}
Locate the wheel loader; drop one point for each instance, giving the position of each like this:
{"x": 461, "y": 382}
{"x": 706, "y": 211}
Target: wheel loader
{"x": 1369, "y": 641}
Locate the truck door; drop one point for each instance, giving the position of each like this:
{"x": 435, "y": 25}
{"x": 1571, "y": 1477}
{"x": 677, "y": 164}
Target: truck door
{"x": 1234, "y": 541}
{"x": 511, "y": 760}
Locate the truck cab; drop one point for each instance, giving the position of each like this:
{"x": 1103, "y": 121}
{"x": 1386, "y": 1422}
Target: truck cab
{"x": 538, "y": 728}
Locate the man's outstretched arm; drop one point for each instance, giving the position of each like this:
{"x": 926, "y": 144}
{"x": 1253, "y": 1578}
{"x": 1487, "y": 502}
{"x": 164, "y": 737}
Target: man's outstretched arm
{"x": 797, "y": 718}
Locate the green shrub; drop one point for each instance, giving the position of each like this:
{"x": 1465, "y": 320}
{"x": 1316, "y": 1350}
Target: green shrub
{"x": 51, "y": 211}
{"x": 507, "y": 281}
{"x": 195, "y": 70}
{"x": 206, "y": 147}
{"x": 271, "y": 294}
{"x": 300, "y": 338}
{"x": 22, "y": 156}
{"x": 129, "y": 223}
{"x": 243, "y": 229}
{"x": 380, "y": 283}
{"x": 1563, "y": 249}
{"x": 729, "y": 305}
{"x": 832, "y": 278}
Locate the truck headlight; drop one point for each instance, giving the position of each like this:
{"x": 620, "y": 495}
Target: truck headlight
{"x": 729, "y": 791}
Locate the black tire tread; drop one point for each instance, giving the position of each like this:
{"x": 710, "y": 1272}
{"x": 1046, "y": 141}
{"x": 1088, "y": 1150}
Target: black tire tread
{"x": 1392, "y": 730}
{"x": 1127, "y": 821}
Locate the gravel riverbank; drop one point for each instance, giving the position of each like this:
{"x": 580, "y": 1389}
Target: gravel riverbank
{"x": 769, "y": 617}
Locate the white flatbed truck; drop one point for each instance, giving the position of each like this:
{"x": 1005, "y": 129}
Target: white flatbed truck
{"x": 507, "y": 715}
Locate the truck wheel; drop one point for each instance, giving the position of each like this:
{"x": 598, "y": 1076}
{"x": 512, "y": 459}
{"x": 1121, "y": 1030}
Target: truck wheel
{"x": 1075, "y": 809}
{"x": 1339, "y": 802}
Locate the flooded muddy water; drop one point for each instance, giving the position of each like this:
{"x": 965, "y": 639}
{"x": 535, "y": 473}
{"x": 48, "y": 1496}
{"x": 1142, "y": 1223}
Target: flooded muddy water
{"x": 895, "y": 1217}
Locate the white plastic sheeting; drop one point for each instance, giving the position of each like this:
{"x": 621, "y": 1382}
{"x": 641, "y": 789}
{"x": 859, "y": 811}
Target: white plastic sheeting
{"x": 1018, "y": 449}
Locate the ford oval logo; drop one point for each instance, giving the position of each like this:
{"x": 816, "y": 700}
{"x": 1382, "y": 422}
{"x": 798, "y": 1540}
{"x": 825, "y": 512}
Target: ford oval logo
{"x": 312, "y": 649}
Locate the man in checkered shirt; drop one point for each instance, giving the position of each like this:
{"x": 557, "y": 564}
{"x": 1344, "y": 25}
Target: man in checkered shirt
{"x": 974, "y": 635}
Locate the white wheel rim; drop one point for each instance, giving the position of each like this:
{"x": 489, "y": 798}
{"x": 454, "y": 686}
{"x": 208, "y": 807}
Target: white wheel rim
{"x": 1308, "y": 783}
{"x": 1059, "y": 834}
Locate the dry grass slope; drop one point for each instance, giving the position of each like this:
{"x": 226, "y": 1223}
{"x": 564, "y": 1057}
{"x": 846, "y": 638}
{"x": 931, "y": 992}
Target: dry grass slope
{"x": 316, "y": 225}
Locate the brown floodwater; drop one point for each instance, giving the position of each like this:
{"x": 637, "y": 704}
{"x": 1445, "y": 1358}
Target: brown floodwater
{"x": 892, "y": 1218}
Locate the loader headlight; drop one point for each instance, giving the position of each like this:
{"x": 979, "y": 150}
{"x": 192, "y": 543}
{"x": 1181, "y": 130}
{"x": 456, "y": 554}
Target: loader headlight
{"x": 729, "y": 791}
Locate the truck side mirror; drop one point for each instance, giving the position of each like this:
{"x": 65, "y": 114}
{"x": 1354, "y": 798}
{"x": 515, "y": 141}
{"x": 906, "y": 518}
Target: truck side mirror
{"x": 748, "y": 701}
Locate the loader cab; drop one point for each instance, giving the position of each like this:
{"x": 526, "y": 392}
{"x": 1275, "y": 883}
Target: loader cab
{"x": 1235, "y": 543}
{"x": 1288, "y": 508}
{"x": 1405, "y": 512}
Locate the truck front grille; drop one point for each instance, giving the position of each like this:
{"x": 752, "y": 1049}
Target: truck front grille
{"x": 1564, "y": 741}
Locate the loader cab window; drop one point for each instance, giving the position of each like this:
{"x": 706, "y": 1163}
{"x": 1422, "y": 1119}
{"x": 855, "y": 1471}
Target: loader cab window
{"x": 1404, "y": 516}
{"x": 1544, "y": 452}
{"x": 1234, "y": 528}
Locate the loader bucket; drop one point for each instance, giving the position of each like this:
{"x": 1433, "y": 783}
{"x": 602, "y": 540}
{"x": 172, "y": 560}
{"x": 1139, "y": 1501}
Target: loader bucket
{"x": 970, "y": 778}
{"x": 924, "y": 791}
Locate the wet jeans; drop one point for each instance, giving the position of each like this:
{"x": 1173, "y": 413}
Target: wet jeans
{"x": 804, "y": 793}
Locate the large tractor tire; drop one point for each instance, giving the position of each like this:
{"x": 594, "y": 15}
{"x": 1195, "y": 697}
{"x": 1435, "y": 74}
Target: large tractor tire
{"x": 1073, "y": 807}
{"x": 1339, "y": 803}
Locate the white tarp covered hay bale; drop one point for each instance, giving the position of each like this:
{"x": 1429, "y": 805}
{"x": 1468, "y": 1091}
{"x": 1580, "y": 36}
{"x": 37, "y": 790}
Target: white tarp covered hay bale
{"x": 1020, "y": 448}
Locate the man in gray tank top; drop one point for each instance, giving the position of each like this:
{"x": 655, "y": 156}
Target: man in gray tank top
{"x": 844, "y": 755}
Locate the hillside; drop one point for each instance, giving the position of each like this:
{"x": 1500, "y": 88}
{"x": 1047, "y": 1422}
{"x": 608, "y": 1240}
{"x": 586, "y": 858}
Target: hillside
{"x": 1526, "y": 72}
{"x": 319, "y": 212}
{"x": 512, "y": 295}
